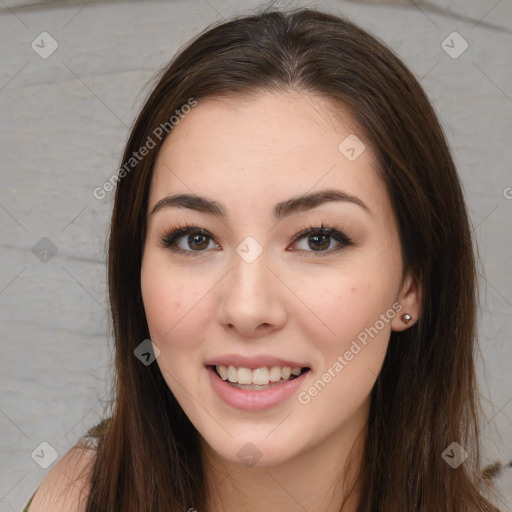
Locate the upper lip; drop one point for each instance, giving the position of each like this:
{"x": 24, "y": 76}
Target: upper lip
{"x": 254, "y": 362}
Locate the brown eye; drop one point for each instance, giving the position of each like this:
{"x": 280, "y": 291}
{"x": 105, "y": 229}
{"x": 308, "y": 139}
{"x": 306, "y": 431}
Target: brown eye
{"x": 322, "y": 240}
{"x": 197, "y": 242}
{"x": 189, "y": 240}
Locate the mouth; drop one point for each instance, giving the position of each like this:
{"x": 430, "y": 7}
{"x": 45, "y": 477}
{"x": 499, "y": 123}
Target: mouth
{"x": 258, "y": 379}
{"x": 259, "y": 389}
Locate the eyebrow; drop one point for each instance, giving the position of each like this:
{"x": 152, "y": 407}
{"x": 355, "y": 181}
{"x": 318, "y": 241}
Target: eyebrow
{"x": 281, "y": 210}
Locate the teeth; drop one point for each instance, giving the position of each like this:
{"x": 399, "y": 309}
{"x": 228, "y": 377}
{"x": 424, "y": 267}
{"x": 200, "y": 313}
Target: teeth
{"x": 260, "y": 376}
{"x": 275, "y": 373}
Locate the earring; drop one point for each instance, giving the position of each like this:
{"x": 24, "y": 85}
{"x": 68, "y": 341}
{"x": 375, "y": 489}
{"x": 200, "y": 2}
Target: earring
{"x": 406, "y": 318}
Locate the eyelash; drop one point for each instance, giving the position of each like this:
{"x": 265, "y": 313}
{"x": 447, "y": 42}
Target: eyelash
{"x": 169, "y": 239}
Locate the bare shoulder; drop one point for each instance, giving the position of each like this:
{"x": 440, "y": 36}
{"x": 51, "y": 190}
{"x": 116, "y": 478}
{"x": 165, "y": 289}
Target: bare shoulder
{"x": 66, "y": 486}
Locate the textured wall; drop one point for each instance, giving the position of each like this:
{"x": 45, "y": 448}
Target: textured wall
{"x": 64, "y": 119}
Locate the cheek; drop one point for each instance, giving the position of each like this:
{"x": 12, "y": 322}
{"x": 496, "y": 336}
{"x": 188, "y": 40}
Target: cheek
{"x": 342, "y": 307}
{"x": 173, "y": 305}
{"x": 351, "y": 339}
{"x": 350, "y": 335}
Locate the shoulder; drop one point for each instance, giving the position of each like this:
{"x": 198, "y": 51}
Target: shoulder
{"x": 66, "y": 486}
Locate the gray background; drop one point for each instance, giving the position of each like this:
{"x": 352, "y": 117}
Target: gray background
{"x": 63, "y": 123}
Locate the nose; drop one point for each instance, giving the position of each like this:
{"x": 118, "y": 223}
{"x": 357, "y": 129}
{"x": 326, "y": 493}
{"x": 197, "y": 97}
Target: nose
{"x": 253, "y": 298}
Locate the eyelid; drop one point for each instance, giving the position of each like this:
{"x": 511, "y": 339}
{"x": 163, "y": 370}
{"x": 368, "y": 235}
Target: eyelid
{"x": 322, "y": 230}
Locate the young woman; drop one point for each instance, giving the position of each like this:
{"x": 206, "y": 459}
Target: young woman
{"x": 290, "y": 233}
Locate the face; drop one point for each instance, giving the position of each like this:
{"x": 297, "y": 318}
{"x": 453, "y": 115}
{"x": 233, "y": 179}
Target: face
{"x": 249, "y": 283}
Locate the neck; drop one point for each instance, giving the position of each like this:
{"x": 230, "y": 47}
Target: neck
{"x": 321, "y": 478}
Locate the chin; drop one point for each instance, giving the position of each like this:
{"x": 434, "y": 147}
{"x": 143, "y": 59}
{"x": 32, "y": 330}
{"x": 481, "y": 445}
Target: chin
{"x": 248, "y": 450}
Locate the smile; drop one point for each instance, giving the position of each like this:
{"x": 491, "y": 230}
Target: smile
{"x": 259, "y": 378}
{"x": 248, "y": 394}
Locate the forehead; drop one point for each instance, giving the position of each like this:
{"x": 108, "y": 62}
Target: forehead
{"x": 267, "y": 147}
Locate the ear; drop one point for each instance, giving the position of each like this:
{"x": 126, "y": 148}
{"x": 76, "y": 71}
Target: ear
{"x": 410, "y": 298}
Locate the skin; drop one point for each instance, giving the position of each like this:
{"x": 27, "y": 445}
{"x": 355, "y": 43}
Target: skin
{"x": 292, "y": 302}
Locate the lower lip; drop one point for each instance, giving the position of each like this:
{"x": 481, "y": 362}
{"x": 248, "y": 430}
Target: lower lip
{"x": 254, "y": 400}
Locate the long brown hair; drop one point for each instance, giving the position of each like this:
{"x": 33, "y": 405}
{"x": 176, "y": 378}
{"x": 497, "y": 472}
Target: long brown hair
{"x": 426, "y": 396}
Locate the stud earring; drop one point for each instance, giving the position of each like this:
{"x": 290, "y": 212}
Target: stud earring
{"x": 406, "y": 318}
